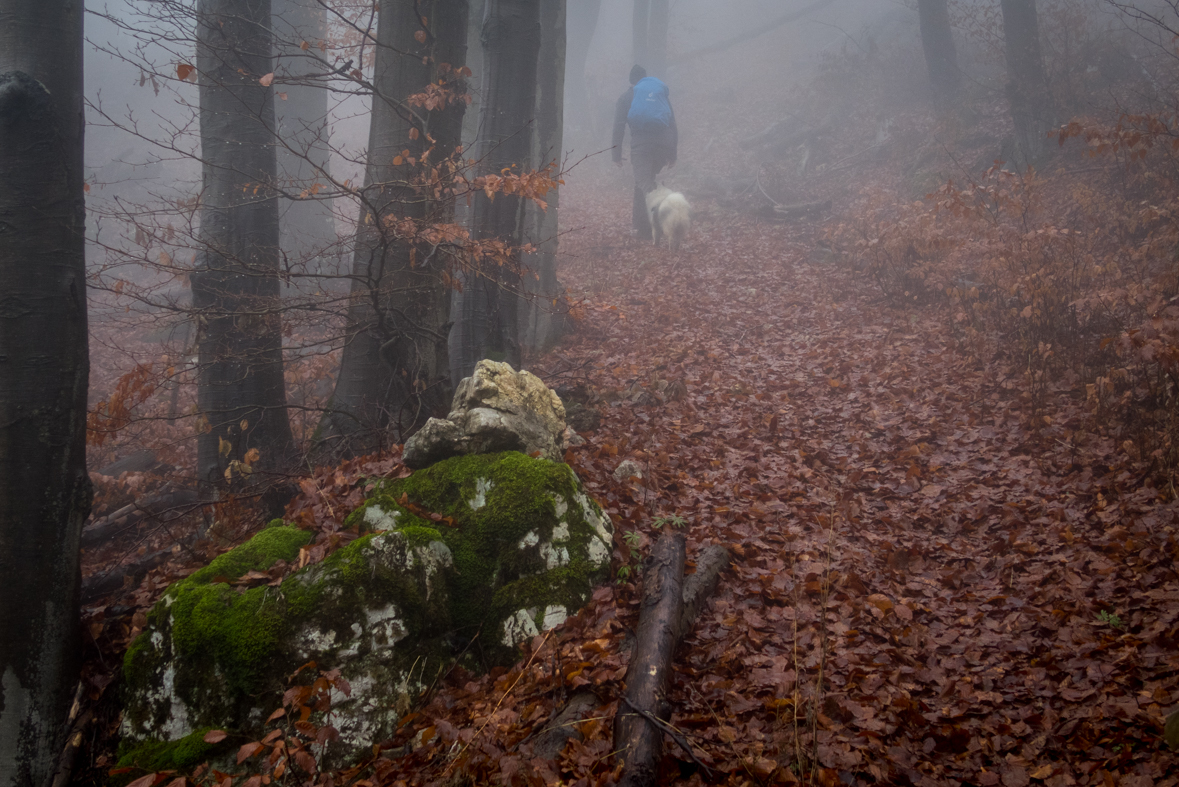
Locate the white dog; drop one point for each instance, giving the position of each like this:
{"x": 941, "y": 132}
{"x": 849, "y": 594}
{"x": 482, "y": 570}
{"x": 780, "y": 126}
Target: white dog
{"x": 671, "y": 216}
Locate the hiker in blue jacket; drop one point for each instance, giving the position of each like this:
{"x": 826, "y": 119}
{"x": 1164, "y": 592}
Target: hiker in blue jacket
{"x": 653, "y": 138}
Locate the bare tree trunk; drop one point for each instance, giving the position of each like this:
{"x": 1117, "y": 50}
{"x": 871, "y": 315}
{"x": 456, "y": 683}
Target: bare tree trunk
{"x": 639, "y": 25}
{"x": 657, "y": 38}
{"x": 1027, "y": 82}
{"x": 395, "y": 369}
{"x": 486, "y": 323}
{"x": 541, "y": 323}
{"x": 44, "y": 371}
{"x": 582, "y": 21}
{"x": 307, "y": 228}
{"x": 235, "y": 290}
{"x": 941, "y": 58}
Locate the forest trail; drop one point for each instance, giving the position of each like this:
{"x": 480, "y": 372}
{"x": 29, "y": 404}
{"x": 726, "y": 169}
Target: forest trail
{"x": 925, "y": 589}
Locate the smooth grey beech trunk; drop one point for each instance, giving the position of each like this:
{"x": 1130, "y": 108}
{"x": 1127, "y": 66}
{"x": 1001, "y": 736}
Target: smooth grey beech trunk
{"x": 307, "y": 228}
{"x": 541, "y": 311}
{"x": 486, "y": 320}
{"x": 640, "y": 21}
{"x": 1027, "y": 82}
{"x": 582, "y": 21}
{"x": 657, "y": 38}
{"x": 395, "y": 372}
{"x": 235, "y": 288}
{"x": 44, "y": 369}
{"x": 941, "y": 57}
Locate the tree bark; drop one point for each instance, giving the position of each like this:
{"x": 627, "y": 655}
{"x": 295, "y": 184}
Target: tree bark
{"x": 540, "y": 311}
{"x": 235, "y": 289}
{"x": 307, "y": 229}
{"x": 44, "y": 370}
{"x": 648, "y": 678}
{"x": 657, "y": 38}
{"x": 486, "y": 323}
{"x": 941, "y": 58}
{"x": 1027, "y": 82}
{"x": 581, "y": 22}
{"x": 395, "y": 369}
{"x": 639, "y": 26}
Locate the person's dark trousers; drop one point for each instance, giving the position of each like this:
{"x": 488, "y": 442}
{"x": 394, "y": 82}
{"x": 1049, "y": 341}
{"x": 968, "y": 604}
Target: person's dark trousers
{"x": 649, "y": 153}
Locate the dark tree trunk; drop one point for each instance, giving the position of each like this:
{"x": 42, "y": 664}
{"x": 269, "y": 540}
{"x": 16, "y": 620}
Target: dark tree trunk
{"x": 44, "y": 369}
{"x": 940, "y": 55}
{"x": 307, "y": 229}
{"x": 486, "y": 323}
{"x": 657, "y": 38}
{"x": 395, "y": 369}
{"x": 639, "y": 27}
{"x": 1027, "y": 83}
{"x": 581, "y": 22}
{"x": 235, "y": 289}
{"x": 540, "y": 324}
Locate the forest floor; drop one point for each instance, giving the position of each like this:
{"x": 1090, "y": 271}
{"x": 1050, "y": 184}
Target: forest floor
{"x": 933, "y": 582}
{"x": 937, "y": 577}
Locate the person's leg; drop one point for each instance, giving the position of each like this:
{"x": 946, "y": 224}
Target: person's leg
{"x": 642, "y": 157}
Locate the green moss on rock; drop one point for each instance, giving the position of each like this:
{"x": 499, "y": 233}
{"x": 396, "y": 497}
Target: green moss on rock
{"x": 180, "y": 755}
{"x": 515, "y": 521}
{"x": 510, "y": 546}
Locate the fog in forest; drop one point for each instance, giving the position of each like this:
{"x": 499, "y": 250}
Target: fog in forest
{"x": 880, "y": 295}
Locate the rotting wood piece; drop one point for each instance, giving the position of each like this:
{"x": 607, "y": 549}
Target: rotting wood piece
{"x": 648, "y": 678}
{"x": 697, "y": 589}
{"x": 164, "y": 505}
{"x": 800, "y": 210}
{"x": 125, "y": 575}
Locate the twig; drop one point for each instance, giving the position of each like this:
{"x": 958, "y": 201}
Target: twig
{"x": 671, "y": 732}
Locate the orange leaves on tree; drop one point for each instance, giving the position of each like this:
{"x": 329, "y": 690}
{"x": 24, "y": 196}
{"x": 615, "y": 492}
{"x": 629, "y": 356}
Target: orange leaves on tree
{"x": 114, "y": 413}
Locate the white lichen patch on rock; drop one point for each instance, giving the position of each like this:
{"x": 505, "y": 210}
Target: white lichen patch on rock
{"x": 561, "y": 532}
{"x": 554, "y": 556}
{"x": 554, "y": 615}
{"x": 530, "y": 539}
{"x": 312, "y": 642}
{"x": 560, "y": 507}
{"x": 380, "y": 519}
{"x": 482, "y": 487}
{"x": 519, "y": 627}
{"x": 385, "y": 626}
{"x": 599, "y": 553}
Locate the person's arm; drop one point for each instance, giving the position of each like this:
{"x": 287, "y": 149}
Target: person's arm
{"x": 621, "y": 110}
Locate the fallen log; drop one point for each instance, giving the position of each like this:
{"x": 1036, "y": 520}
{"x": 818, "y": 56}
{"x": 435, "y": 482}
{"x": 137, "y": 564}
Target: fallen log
{"x": 801, "y": 210}
{"x": 143, "y": 461}
{"x": 166, "y": 505}
{"x": 667, "y": 612}
{"x": 77, "y": 722}
{"x": 697, "y": 589}
{"x": 638, "y": 741}
{"x": 124, "y": 575}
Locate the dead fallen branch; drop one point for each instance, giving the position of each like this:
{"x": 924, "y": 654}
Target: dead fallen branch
{"x": 801, "y": 210}
{"x": 668, "y": 611}
{"x": 165, "y": 506}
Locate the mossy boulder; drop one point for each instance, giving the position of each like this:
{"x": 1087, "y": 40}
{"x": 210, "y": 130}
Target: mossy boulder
{"x": 499, "y": 545}
{"x": 528, "y": 544}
